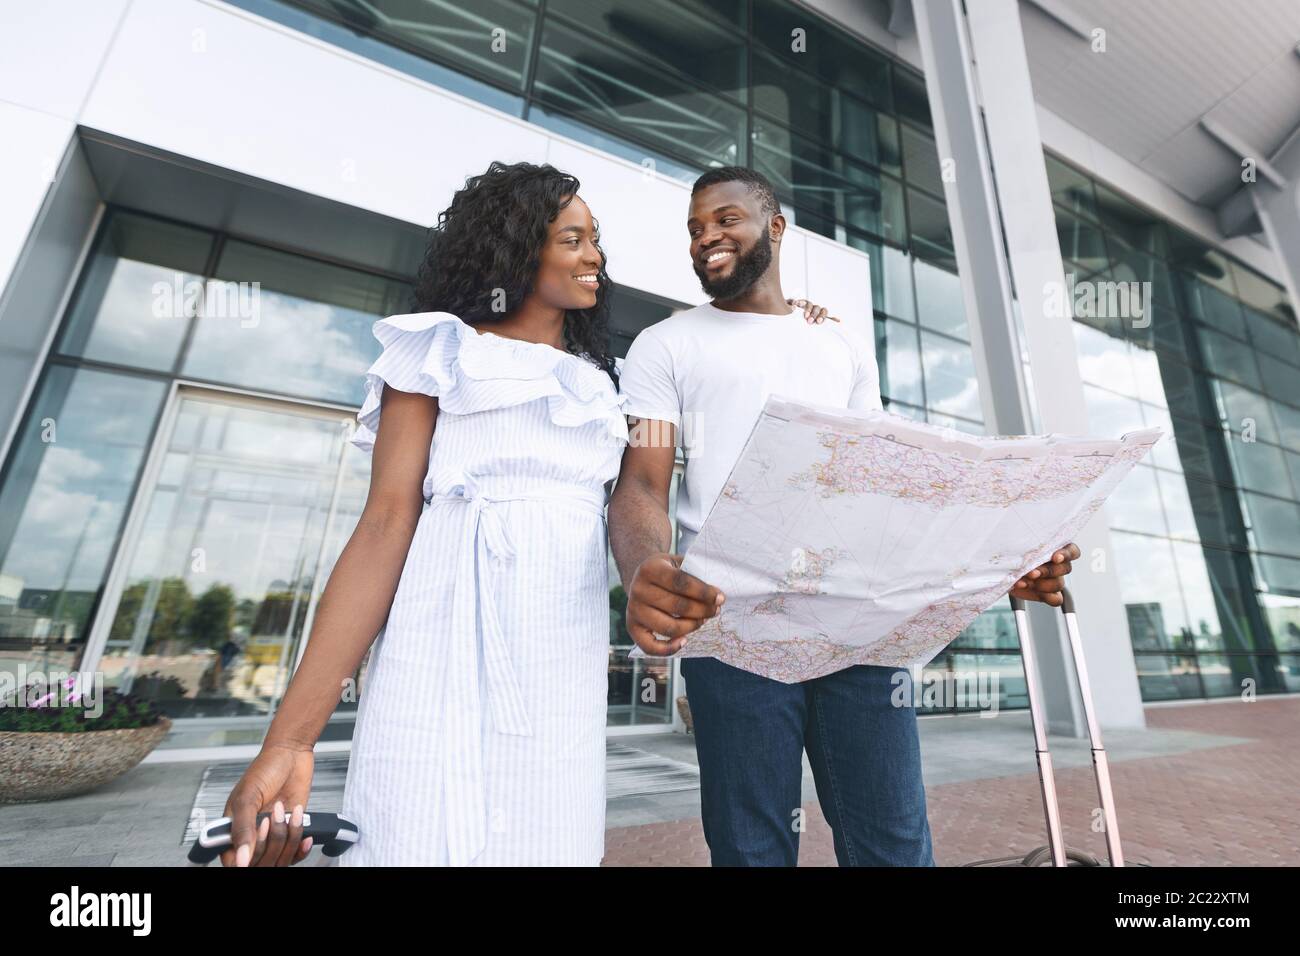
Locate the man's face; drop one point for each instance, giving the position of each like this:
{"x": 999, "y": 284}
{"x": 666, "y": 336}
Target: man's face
{"x": 731, "y": 239}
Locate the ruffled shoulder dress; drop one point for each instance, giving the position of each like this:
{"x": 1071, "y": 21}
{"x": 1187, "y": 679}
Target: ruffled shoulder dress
{"x": 480, "y": 729}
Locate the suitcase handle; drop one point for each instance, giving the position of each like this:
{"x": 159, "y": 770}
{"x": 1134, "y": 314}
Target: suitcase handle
{"x": 1100, "y": 765}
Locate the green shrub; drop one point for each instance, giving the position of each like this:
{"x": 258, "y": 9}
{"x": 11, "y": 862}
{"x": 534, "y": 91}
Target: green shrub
{"x": 117, "y": 711}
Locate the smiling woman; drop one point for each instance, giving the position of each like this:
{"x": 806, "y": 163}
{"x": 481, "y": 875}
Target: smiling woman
{"x": 479, "y": 560}
{"x": 514, "y": 231}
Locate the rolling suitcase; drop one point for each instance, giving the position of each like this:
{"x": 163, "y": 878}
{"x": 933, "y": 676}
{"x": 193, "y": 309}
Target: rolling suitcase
{"x": 1056, "y": 853}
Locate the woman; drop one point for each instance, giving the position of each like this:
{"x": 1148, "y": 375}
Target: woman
{"x": 480, "y": 735}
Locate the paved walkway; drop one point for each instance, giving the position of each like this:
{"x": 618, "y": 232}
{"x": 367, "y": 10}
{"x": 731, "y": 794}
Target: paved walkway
{"x": 1205, "y": 784}
{"x": 1210, "y": 783}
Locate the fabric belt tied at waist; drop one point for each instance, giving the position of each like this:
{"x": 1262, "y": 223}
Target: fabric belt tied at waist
{"x": 475, "y": 626}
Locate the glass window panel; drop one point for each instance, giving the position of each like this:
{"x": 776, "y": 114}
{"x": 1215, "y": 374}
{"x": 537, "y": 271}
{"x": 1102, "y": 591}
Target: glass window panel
{"x": 1293, "y": 464}
{"x": 1111, "y": 415}
{"x": 600, "y": 84}
{"x": 1288, "y": 425}
{"x": 1130, "y": 265}
{"x": 950, "y": 384}
{"x": 1000, "y": 677}
{"x": 899, "y": 355}
{"x": 1185, "y": 390}
{"x": 1146, "y": 376}
{"x": 1279, "y": 575}
{"x": 829, "y": 57}
{"x": 1259, "y": 466}
{"x": 1198, "y": 595}
{"x": 460, "y": 35}
{"x": 921, "y": 160}
{"x": 1212, "y": 306}
{"x": 1224, "y": 676}
{"x": 1280, "y": 379}
{"x": 350, "y": 29}
{"x": 866, "y": 137}
{"x": 876, "y": 205}
{"x": 931, "y": 232}
{"x": 804, "y": 219}
{"x": 868, "y": 133}
{"x": 1227, "y": 357}
{"x": 1260, "y": 293}
{"x": 1275, "y": 523}
{"x": 1165, "y": 452}
{"x": 731, "y": 12}
{"x": 1179, "y": 515}
{"x": 891, "y": 278}
{"x": 1212, "y": 503}
{"x": 824, "y": 115}
{"x": 1274, "y": 338}
{"x": 910, "y": 97}
{"x": 1104, "y": 360}
{"x": 1242, "y": 407}
{"x": 1136, "y": 226}
{"x": 1071, "y": 189}
{"x": 825, "y": 183}
{"x": 1193, "y": 440}
{"x": 1167, "y": 677}
{"x": 938, "y": 299}
{"x": 137, "y": 293}
{"x": 1168, "y": 333}
{"x": 1193, "y": 256}
{"x": 65, "y": 496}
{"x": 1283, "y": 616}
{"x": 1145, "y": 570}
{"x": 253, "y": 335}
{"x": 1134, "y": 505}
{"x": 1288, "y": 672}
{"x": 1081, "y": 241}
{"x": 662, "y": 31}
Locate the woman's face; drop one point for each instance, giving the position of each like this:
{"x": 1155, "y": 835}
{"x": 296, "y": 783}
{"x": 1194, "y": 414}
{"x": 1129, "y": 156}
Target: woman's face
{"x": 570, "y": 261}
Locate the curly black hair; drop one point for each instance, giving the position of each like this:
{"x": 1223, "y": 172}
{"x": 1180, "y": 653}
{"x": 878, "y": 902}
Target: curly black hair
{"x": 490, "y": 238}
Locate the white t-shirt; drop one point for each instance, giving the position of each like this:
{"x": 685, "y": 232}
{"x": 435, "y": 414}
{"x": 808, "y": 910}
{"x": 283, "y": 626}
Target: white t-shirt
{"x": 709, "y": 372}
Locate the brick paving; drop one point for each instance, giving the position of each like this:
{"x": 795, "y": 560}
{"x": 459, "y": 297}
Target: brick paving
{"x": 1234, "y": 805}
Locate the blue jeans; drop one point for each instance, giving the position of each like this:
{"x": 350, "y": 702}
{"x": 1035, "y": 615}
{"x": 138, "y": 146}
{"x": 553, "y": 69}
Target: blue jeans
{"x": 750, "y": 735}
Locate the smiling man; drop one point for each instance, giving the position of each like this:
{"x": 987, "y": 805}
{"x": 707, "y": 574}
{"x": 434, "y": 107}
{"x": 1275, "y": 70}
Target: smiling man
{"x": 707, "y": 372}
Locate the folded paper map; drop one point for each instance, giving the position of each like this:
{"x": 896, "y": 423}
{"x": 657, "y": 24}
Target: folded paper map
{"x": 848, "y": 537}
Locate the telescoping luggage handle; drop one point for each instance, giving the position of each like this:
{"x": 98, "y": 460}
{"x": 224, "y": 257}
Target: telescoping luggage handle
{"x": 1046, "y": 779}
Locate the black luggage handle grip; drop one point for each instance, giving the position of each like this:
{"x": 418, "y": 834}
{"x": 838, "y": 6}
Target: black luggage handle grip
{"x": 333, "y": 832}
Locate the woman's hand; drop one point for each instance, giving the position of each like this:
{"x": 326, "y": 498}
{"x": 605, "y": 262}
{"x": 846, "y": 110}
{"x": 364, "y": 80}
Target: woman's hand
{"x": 813, "y": 314}
{"x": 279, "y": 780}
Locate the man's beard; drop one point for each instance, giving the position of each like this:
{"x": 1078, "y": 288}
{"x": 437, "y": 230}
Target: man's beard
{"x": 748, "y": 269}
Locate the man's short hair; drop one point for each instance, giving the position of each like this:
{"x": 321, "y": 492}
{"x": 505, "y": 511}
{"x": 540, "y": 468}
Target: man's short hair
{"x": 756, "y": 182}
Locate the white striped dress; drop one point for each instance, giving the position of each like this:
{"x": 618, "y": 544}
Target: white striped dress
{"x": 480, "y": 731}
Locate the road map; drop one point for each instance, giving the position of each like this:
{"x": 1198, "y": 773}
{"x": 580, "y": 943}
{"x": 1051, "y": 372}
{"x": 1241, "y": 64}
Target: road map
{"x": 848, "y": 537}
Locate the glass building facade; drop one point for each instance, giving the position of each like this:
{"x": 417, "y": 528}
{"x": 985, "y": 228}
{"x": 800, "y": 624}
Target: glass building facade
{"x": 192, "y": 420}
{"x": 1206, "y": 531}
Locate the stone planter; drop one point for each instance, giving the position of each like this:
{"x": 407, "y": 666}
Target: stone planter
{"x": 37, "y": 766}
{"x": 684, "y": 708}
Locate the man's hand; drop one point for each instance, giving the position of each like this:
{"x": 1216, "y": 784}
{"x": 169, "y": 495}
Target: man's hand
{"x": 664, "y": 599}
{"x": 813, "y": 313}
{"x": 1044, "y": 582}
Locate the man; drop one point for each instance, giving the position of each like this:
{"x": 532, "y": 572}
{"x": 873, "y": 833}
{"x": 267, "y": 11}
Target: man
{"x": 707, "y": 372}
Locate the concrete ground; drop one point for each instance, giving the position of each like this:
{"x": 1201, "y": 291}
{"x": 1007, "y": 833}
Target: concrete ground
{"x": 1203, "y": 784}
